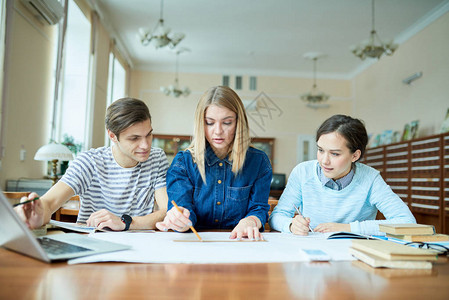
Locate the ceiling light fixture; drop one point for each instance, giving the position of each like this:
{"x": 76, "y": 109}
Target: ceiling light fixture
{"x": 174, "y": 90}
{"x": 315, "y": 98}
{"x": 160, "y": 37}
{"x": 374, "y": 47}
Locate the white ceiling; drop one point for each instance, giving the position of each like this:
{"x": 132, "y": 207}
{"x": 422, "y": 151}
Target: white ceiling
{"x": 264, "y": 37}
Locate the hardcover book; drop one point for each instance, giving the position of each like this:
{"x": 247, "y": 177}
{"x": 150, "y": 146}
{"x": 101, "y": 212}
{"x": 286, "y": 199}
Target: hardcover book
{"x": 377, "y": 262}
{"x": 420, "y": 237}
{"x": 407, "y": 228}
{"x": 393, "y": 251}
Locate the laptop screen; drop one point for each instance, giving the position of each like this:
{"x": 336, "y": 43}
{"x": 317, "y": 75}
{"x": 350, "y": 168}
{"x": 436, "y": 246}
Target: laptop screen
{"x": 15, "y": 235}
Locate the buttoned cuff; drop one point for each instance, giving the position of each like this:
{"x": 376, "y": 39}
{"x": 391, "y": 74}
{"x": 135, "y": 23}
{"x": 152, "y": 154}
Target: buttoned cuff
{"x": 355, "y": 227}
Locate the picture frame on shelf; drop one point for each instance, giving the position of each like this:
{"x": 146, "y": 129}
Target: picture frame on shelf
{"x": 445, "y": 124}
{"x": 406, "y": 133}
{"x": 396, "y": 137}
{"x": 414, "y": 126}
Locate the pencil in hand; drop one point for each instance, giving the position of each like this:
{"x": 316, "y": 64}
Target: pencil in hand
{"x": 299, "y": 213}
{"x": 191, "y": 227}
{"x": 25, "y": 202}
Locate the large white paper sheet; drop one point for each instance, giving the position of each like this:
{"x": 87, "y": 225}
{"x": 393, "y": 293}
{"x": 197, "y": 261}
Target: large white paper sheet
{"x": 160, "y": 247}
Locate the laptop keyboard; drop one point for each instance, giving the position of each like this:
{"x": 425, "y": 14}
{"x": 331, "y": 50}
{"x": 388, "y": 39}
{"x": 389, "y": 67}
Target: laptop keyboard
{"x": 56, "y": 247}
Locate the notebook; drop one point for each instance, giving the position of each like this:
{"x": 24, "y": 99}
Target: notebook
{"x": 15, "y": 236}
{"x": 349, "y": 235}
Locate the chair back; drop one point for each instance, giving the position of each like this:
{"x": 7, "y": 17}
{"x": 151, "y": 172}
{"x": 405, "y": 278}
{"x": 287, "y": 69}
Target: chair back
{"x": 14, "y": 197}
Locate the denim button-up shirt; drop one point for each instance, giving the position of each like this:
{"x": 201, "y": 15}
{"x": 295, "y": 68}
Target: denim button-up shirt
{"x": 225, "y": 199}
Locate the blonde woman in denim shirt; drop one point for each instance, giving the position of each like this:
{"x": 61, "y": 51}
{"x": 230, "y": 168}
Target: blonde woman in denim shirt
{"x": 219, "y": 181}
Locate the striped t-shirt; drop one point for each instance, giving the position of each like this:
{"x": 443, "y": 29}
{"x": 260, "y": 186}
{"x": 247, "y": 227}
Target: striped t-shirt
{"x": 101, "y": 183}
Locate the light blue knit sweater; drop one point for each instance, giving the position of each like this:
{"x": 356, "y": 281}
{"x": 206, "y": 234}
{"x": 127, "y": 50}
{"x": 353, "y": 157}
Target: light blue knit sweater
{"x": 356, "y": 204}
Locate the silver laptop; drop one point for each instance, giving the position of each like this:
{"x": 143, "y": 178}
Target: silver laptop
{"x": 15, "y": 236}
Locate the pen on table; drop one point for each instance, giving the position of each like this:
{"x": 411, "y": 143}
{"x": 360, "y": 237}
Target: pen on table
{"x": 191, "y": 227}
{"x": 299, "y": 213}
{"x": 25, "y": 202}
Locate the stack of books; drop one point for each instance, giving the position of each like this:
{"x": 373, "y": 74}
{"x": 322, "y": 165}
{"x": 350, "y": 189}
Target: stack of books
{"x": 413, "y": 232}
{"x": 380, "y": 253}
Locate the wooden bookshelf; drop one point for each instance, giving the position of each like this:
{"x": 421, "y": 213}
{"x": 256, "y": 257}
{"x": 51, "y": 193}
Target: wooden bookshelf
{"x": 418, "y": 172}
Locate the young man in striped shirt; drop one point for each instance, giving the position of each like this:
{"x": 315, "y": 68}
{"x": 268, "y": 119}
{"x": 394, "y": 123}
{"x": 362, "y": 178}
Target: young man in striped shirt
{"x": 119, "y": 186}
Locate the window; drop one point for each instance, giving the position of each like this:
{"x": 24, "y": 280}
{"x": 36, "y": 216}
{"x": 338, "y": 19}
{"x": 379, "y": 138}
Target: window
{"x": 253, "y": 83}
{"x": 2, "y": 54}
{"x": 116, "y": 80}
{"x": 73, "y": 108}
{"x": 225, "y": 80}
{"x": 238, "y": 82}
{"x": 116, "y": 85}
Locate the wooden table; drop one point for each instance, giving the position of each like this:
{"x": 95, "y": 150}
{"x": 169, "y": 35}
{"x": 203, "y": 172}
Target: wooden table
{"x": 26, "y": 278}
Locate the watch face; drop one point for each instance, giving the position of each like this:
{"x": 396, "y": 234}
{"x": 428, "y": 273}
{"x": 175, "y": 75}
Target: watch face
{"x": 127, "y": 220}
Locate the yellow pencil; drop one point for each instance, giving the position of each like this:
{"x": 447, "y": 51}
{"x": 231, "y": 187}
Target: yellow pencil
{"x": 191, "y": 227}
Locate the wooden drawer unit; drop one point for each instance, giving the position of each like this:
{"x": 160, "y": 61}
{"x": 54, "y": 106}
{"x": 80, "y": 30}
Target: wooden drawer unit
{"x": 418, "y": 172}
{"x": 375, "y": 158}
{"x": 426, "y": 157}
{"x": 397, "y": 161}
{"x": 445, "y": 179}
{"x": 425, "y": 169}
{"x": 400, "y": 186}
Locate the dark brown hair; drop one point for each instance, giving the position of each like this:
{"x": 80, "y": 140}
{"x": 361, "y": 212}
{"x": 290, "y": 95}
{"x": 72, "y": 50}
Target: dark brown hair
{"x": 124, "y": 113}
{"x": 353, "y": 130}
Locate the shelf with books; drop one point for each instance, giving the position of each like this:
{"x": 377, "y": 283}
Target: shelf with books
{"x": 266, "y": 145}
{"x": 171, "y": 144}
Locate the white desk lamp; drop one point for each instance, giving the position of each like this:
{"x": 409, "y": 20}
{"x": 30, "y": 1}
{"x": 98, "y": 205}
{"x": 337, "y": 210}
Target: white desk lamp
{"x": 54, "y": 152}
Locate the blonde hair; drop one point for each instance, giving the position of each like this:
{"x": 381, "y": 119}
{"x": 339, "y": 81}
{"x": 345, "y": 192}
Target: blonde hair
{"x": 221, "y": 96}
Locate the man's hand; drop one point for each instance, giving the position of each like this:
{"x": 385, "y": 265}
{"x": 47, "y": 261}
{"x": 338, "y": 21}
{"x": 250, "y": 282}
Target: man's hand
{"x": 31, "y": 213}
{"x": 103, "y": 218}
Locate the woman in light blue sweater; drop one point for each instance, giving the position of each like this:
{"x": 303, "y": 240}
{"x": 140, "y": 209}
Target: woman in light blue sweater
{"x": 335, "y": 192}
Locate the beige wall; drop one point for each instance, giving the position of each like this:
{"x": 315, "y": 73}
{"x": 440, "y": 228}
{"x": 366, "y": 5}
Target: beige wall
{"x": 290, "y": 116}
{"x": 29, "y": 95}
{"x": 384, "y": 102}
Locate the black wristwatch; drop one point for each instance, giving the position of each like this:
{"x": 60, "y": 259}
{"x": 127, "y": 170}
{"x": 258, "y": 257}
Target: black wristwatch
{"x": 127, "y": 219}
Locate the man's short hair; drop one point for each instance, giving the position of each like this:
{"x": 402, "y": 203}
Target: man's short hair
{"x": 124, "y": 113}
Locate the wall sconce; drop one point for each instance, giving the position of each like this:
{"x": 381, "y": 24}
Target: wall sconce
{"x": 412, "y": 78}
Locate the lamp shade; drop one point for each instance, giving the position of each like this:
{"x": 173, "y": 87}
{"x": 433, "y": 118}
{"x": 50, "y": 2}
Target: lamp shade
{"x": 53, "y": 151}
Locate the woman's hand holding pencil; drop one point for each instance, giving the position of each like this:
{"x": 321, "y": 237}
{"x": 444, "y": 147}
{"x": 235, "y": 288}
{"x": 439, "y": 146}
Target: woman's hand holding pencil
{"x": 177, "y": 218}
{"x": 300, "y": 225}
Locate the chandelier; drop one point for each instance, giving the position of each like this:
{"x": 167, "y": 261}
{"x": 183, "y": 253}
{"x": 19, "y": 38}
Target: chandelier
{"x": 174, "y": 90}
{"x": 160, "y": 36}
{"x": 374, "y": 47}
{"x": 315, "y": 98}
